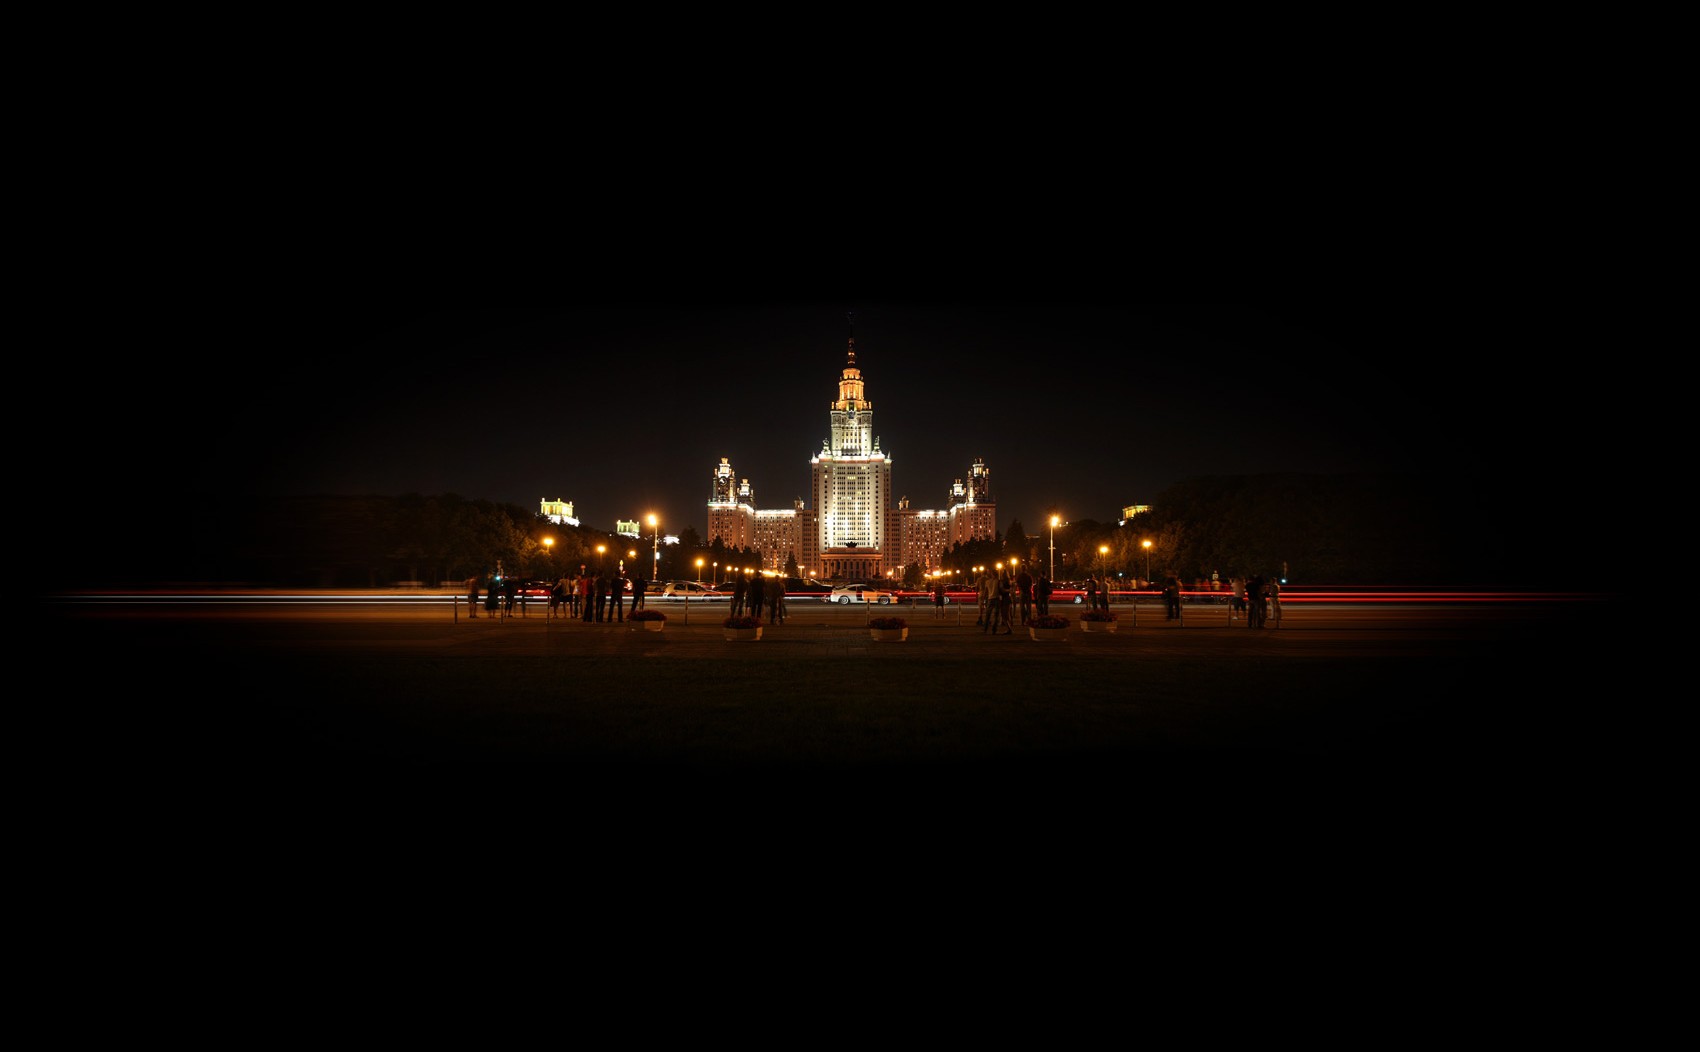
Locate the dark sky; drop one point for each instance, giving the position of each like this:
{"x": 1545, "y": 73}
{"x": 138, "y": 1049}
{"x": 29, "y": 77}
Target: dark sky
{"x": 625, "y": 405}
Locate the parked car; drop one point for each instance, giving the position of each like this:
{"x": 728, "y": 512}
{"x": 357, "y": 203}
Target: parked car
{"x": 1068, "y": 592}
{"x": 691, "y": 590}
{"x": 806, "y": 586}
{"x": 532, "y": 588}
{"x": 860, "y": 593}
{"x": 925, "y": 595}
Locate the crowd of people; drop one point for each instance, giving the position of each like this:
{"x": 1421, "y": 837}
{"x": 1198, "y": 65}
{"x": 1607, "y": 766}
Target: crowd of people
{"x": 1008, "y": 597}
{"x": 600, "y": 596}
{"x": 1255, "y": 598}
{"x": 1007, "y": 593}
{"x": 753, "y": 593}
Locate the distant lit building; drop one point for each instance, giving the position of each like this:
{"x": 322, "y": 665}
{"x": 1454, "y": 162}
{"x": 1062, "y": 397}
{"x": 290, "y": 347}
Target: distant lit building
{"x": 559, "y": 512}
{"x": 856, "y": 528}
{"x": 973, "y": 512}
{"x": 1134, "y": 509}
{"x": 731, "y": 511}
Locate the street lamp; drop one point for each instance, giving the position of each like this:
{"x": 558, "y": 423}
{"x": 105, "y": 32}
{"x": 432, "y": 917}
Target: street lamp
{"x": 1053, "y": 547}
{"x": 549, "y": 550}
{"x": 1103, "y": 550}
{"x": 655, "y": 542}
{"x": 601, "y": 550}
{"x": 714, "y": 578}
{"x": 1147, "y": 545}
{"x": 699, "y": 571}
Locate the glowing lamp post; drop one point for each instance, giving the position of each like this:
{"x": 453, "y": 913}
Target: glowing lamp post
{"x": 699, "y": 571}
{"x": 655, "y": 542}
{"x": 1147, "y": 545}
{"x": 1053, "y": 547}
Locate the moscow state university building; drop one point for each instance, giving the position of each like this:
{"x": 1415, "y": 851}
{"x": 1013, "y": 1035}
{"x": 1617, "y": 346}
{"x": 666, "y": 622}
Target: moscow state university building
{"x": 850, "y": 528}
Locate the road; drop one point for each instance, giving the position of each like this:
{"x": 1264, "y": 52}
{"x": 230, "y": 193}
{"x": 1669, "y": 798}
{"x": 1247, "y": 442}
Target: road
{"x": 356, "y": 712}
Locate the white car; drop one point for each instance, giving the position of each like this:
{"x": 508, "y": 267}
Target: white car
{"x": 691, "y": 590}
{"x": 860, "y": 593}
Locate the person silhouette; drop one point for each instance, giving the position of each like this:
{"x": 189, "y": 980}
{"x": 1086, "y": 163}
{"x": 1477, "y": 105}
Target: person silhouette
{"x": 753, "y": 595}
{"x": 740, "y": 588}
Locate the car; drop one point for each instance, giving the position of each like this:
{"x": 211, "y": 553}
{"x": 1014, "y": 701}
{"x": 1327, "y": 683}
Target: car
{"x": 860, "y": 593}
{"x": 925, "y": 595}
{"x": 691, "y": 590}
{"x": 1068, "y": 592}
{"x": 806, "y": 586}
{"x": 531, "y": 588}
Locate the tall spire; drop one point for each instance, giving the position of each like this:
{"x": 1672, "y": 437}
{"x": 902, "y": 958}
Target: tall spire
{"x": 850, "y": 396}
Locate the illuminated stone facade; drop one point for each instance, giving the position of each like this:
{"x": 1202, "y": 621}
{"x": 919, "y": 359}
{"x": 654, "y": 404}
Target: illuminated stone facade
{"x": 559, "y": 512}
{"x": 857, "y": 529}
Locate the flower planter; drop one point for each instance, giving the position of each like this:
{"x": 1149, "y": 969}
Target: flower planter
{"x": 741, "y": 635}
{"x": 888, "y": 635}
{"x": 1098, "y": 626}
{"x": 1048, "y": 635}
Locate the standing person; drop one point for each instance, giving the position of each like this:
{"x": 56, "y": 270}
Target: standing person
{"x": 1005, "y": 600}
{"x": 586, "y": 595}
{"x": 775, "y": 600}
{"x": 1272, "y": 593}
{"x": 472, "y": 595}
{"x": 557, "y": 598}
{"x": 1042, "y": 596}
{"x": 617, "y": 597}
{"x": 640, "y": 589}
{"x": 1024, "y": 589}
{"x": 753, "y": 595}
{"x": 938, "y": 597}
{"x": 492, "y": 598}
{"x": 1236, "y": 594}
{"x": 601, "y": 588}
{"x": 1104, "y": 593}
{"x": 1091, "y": 592}
{"x": 740, "y": 588}
{"x": 510, "y": 591}
{"x": 1254, "y": 601}
{"x": 988, "y": 592}
{"x": 1172, "y": 597}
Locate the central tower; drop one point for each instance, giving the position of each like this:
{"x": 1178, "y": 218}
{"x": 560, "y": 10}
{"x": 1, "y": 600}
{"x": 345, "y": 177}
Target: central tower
{"x": 851, "y": 484}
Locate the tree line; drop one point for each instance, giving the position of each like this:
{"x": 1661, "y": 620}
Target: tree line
{"x": 1311, "y": 529}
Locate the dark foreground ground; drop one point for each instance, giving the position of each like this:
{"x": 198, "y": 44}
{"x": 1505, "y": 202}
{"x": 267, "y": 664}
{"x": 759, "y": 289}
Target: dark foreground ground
{"x": 337, "y": 711}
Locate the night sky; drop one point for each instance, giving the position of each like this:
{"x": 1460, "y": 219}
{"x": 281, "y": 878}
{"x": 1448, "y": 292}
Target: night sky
{"x": 625, "y": 405}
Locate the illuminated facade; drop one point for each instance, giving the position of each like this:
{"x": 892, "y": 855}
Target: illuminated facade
{"x": 973, "y": 512}
{"x": 559, "y": 512}
{"x": 731, "y": 509}
{"x": 856, "y": 528}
